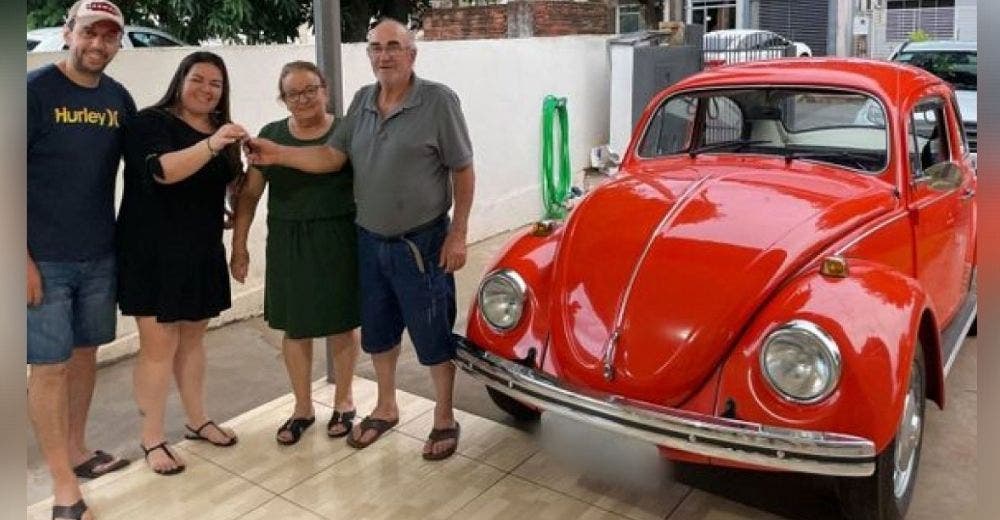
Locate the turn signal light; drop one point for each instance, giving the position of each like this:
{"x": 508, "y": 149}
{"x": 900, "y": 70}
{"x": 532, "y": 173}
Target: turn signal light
{"x": 544, "y": 228}
{"x": 834, "y": 266}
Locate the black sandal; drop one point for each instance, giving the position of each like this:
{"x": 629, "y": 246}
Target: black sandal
{"x": 162, "y": 446}
{"x": 73, "y": 512}
{"x": 344, "y": 419}
{"x": 295, "y": 427}
{"x": 88, "y": 469}
{"x": 195, "y": 435}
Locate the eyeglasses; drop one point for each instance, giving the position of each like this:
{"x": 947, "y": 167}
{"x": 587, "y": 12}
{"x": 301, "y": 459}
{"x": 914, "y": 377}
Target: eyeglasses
{"x": 306, "y": 94}
{"x": 392, "y": 49}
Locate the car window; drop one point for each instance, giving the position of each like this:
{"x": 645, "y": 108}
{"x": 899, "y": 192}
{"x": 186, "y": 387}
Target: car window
{"x": 669, "y": 129}
{"x": 960, "y": 68}
{"x": 147, "y": 39}
{"x": 844, "y": 128}
{"x": 32, "y": 44}
{"x": 929, "y": 133}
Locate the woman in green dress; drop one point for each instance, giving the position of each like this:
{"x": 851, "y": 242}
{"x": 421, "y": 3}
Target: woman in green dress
{"x": 311, "y": 274}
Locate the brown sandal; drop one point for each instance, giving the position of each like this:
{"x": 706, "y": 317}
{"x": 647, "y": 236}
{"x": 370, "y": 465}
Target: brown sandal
{"x": 344, "y": 419}
{"x": 380, "y": 426}
{"x": 443, "y": 434}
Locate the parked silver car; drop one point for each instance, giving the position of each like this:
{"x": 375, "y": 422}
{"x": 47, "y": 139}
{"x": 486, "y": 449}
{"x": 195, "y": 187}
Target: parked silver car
{"x": 49, "y": 39}
{"x": 954, "y": 62}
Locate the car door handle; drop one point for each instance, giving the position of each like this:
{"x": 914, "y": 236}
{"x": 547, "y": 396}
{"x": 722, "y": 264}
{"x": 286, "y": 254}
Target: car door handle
{"x": 968, "y": 193}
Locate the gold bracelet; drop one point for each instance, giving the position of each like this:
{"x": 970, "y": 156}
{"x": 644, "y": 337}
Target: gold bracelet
{"x": 209, "y": 146}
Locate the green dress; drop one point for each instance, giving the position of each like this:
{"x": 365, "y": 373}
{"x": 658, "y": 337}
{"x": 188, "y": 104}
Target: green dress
{"x": 311, "y": 276}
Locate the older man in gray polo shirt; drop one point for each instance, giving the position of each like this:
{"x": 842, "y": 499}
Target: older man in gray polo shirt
{"x": 407, "y": 140}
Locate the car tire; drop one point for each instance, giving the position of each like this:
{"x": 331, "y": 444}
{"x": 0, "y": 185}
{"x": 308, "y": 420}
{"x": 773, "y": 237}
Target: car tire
{"x": 886, "y": 494}
{"x": 513, "y": 407}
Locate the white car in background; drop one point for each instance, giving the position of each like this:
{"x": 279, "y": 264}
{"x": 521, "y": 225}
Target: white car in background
{"x": 50, "y": 39}
{"x": 956, "y": 63}
{"x": 739, "y": 45}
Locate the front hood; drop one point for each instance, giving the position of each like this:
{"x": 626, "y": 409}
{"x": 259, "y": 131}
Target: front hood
{"x": 657, "y": 274}
{"x": 968, "y": 105}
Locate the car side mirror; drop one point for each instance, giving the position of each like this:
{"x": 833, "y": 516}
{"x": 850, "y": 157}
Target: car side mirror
{"x": 943, "y": 176}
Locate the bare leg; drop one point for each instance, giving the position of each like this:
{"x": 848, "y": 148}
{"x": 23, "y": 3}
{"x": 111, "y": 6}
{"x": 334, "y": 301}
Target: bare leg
{"x": 443, "y": 375}
{"x": 189, "y": 371}
{"x": 385, "y": 408}
{"x": 82, "y": 375}
{"x": 151, "y": 380}
{"x": 48, "y": 407}
{"x": 298, "y": 354}
{"x": 345, "y": 357}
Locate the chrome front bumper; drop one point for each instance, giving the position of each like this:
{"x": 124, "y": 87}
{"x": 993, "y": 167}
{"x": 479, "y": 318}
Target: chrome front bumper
{"x": 787, "y": 449}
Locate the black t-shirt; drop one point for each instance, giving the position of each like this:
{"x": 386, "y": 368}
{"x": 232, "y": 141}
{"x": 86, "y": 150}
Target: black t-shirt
{"x": 74, "y": 145}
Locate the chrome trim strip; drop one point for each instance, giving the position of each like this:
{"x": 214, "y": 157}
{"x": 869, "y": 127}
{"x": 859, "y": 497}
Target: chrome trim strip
{"x": 679, "y": 203}
{"x": 823, "y": 453}
{"x": 961, "y": 339}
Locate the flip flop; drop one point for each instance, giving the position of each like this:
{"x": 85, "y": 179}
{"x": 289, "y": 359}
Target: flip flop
{"x": 162, "y": 446}
{"x": 442, "y": 434}
{"x": 195, "y": 435}
{"x": 342, "y": 418}
{"x": 87, "y": 469}
{"x": 380, "y": 426}
{"x": 73, "y": 512}
{"x": 294, "y": 426}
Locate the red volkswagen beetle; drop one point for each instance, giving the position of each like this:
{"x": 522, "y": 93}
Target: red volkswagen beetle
{"x": 778, "y": 278}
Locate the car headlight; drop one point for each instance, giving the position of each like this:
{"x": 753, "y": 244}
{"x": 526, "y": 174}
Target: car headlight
{"x": 501, "y": 299}
{"x": 801, "y": 362}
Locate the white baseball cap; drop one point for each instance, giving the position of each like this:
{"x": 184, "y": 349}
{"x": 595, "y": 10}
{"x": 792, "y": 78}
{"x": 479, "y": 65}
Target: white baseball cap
{"x": 87, "y": 12}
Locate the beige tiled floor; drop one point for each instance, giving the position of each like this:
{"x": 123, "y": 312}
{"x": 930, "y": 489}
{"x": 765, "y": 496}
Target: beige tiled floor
{"x": 557, "y": 471}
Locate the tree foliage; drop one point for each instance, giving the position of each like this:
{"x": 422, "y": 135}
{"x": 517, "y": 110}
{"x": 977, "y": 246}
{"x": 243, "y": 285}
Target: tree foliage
{"x": 235, "y": 21}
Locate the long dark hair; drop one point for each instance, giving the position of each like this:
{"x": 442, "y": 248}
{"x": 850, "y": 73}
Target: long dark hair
{"x": 171, "y": 100}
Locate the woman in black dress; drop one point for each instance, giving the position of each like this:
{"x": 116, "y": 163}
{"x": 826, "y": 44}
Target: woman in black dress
{"x": 180, "y": 155}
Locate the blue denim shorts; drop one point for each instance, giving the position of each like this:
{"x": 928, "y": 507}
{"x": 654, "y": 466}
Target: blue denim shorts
{"x": 402, "y": 286}
{"x": 77, "y": 309}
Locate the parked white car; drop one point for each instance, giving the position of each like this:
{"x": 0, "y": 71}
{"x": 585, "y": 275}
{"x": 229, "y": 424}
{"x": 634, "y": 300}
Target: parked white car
{"x": 49, "y": 39}
{"x": 954, "y": 62}
{"x": 739, "y": 45}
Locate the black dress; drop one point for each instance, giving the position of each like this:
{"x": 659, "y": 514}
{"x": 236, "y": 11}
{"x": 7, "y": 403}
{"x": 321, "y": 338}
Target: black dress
{"x": 171, "y": 260}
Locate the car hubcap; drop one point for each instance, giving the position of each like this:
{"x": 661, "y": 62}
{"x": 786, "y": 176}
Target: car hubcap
{"x": 907, "y": 438}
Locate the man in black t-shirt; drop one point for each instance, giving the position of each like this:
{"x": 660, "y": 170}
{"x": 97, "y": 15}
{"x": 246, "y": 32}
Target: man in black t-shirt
{"x": 75, "y": 115}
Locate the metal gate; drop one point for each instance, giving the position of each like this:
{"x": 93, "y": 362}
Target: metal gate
{"x": 806, "y": 21}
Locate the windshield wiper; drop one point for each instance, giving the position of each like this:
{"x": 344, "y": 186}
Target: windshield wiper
{"x": 856, "y": 158}
{"x": 737, "y": 143}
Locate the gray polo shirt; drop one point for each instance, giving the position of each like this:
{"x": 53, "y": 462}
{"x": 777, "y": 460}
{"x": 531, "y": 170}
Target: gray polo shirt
{"x": 403, "y": 163}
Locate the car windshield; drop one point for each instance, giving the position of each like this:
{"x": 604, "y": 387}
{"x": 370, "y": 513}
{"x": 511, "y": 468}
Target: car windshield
{"x": 32, "y": 44}
{"x": 956, "y": 67}
{"x": 843, "y": 128}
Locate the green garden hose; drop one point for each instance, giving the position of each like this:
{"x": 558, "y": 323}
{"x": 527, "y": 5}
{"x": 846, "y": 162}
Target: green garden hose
{"x": 555, "y": 190}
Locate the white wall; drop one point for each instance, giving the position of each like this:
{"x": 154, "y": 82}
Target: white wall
{"x": 501, "y": 84}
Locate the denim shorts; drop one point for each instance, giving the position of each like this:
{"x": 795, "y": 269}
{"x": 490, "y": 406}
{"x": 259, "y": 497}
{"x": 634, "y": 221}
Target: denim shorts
{"x": 402, "y": 286}
{"x": 77, "y": 309}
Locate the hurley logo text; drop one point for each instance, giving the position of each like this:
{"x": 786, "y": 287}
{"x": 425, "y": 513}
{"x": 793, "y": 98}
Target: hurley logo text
{"x": 107, "y": 118}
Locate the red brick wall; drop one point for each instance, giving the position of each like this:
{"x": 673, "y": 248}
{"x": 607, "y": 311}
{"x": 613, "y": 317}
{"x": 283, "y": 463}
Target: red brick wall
{"x": 466, "y": 23}
{"x": 546, "y": 18}
{"x": 562, "y": 18}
